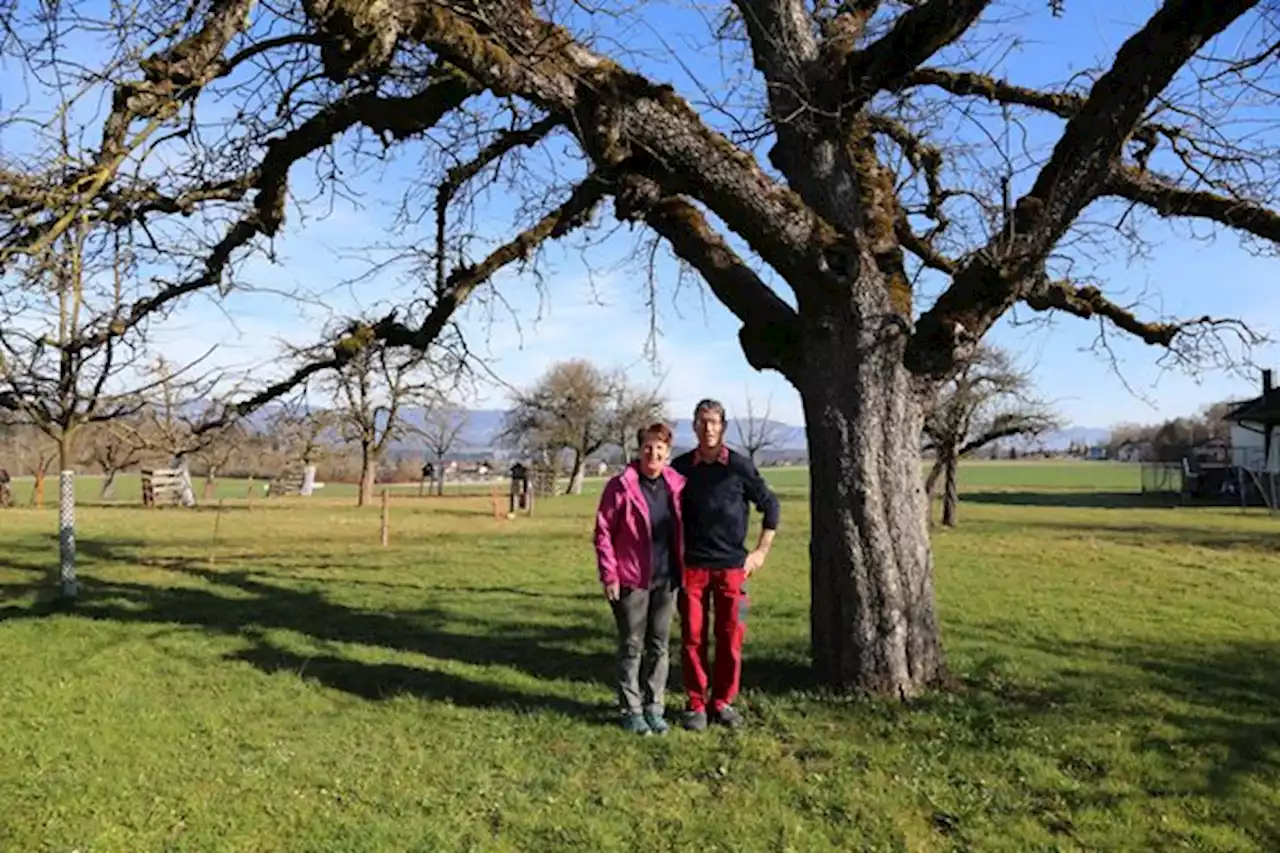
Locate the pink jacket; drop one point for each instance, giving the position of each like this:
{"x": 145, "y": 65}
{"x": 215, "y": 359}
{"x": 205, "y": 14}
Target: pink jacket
{"x": 623, "y": 538}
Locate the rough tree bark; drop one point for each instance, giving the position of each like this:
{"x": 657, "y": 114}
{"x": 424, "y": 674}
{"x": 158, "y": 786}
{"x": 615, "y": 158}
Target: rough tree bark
{"x": 368, "y": 473}
{"x": 874, "y": 624}
{"x": 578, "y": 475}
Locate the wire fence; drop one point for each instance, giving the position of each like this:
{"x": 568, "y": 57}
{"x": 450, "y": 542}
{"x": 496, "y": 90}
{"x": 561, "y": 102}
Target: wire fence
{"x": 1163, "y": 478}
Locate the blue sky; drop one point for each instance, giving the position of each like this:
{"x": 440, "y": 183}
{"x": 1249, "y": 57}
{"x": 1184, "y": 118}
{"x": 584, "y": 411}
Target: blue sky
{"x": 598, "y": 313}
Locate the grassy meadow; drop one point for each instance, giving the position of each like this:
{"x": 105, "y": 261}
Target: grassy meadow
{"x": 290, "y": 685}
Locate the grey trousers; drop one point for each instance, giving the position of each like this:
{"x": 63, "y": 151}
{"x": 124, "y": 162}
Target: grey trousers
{"x": 643, "y": 617}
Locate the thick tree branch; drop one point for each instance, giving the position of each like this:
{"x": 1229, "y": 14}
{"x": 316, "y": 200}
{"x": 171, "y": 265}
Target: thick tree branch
{"x": 995, "y": 90}
{"x": 1087, "y": 302}
{"x": 783, "y": 47}
{"x": 399, "y": 116}
{"x": 1096, "y": 134}
{"x": 782, "y": 40}
{"x": 769, "y": 330}
{"x": 170, "y": 78}
{"x": 618, "y": 116}
{"x": 915, "y": 36}
{"x": 990, "y": 280}
{"x": 1168, "y": 199}
{"x": 922, "y": 248}
{"x": 461, "y": 283}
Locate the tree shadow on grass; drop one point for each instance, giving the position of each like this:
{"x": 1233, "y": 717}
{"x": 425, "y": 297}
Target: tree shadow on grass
{"x": 237, "y": 603}
{"x": 381, "y": 681}
{"x": 1264, "y": 541}
{"x": 39, "y": 554}
{"x": 553, "y": 645}
{"x": 1201, "y": 719}
{"x": 1068, "y": 499}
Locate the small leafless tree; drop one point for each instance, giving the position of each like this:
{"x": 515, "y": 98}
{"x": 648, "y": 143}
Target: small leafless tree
{"x": 634, "y": 408}
{"x": 441, "y": 431}
{"x": 757, "y": 431}
{"x": 305, "y": 433}
{"x": 215, "y": 450}
{"x": 112, "y": 447}
{"x": 988, "y": 400}
{"x": 371, "y": 392}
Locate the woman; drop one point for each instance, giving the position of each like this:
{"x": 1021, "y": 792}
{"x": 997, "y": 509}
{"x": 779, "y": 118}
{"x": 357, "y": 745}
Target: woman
{"x": 640, "y": 556}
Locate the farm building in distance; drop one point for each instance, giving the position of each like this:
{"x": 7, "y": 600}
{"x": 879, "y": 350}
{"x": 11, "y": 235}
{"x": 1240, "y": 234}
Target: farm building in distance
{"x": 1244, "y": 469}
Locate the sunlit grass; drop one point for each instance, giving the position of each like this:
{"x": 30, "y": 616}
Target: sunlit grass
{"x": 293, "y": 686}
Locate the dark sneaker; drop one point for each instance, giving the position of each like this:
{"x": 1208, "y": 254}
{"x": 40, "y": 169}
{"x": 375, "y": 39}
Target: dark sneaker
{"x": 635, "y": 723}
{"x": 695, "y": 721}
{"x": 657, "y": 724}
{"x": 726, "y": 716}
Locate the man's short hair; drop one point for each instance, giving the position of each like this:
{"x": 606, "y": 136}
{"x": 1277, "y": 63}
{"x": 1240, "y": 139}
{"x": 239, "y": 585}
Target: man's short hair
{"x": 709, "y": 405}
{"x": 658, "y": 431}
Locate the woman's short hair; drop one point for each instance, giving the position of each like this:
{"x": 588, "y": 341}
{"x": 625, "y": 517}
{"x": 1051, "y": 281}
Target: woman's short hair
{"x": 659, "y": 431}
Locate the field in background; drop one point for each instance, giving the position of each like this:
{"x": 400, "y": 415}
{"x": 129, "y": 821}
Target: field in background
{"x": 1011, "y": 475}
{"x": 295, "y": 687}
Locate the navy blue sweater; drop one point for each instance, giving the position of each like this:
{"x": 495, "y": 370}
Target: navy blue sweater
{"x": 716, "y": 508}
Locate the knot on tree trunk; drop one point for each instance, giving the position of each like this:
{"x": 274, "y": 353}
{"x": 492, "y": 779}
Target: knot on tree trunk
{"x": 635, "y": 197}
{"x": 359, "y": 35}
{"x": 771, "y": 346}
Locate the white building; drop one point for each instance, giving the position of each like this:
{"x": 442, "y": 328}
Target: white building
{"x": 1255, "y": 430}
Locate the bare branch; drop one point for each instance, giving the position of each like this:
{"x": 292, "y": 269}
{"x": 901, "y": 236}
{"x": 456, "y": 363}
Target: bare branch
{"x": 1168, "y": 199}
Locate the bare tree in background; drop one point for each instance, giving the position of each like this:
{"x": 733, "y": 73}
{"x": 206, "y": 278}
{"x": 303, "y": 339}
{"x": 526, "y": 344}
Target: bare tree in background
{"x": 634, "y": 408}
{"x": 441, "y": 430}
{"x": 888, "y": 180}
{"x": 306, "y": 433}
{"x": 988, "y": 400}
{"x": 574, "y": 407}
{"x": 371, "y": 392}
{"x": 54, "y": 374}
{"x": 756, "y": 430}
{"x": 176, "y": 419}
{"x": 112, "y": 447}
{"x": 216, "y": 448}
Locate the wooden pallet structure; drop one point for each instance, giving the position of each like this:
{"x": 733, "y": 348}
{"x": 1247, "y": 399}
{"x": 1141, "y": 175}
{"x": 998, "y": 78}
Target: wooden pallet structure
{"x": 167, "y": 487}
{"x": 287, "y": 482}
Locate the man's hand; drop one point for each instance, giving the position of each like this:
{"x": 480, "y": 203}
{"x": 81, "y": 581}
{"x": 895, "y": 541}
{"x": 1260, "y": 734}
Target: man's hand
{"x": 611, "y": 592}
{"x": 754, "y": 560}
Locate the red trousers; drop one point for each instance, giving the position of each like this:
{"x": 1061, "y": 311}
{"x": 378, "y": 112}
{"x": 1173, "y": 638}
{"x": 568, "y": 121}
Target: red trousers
{"x": 702, "y": 590}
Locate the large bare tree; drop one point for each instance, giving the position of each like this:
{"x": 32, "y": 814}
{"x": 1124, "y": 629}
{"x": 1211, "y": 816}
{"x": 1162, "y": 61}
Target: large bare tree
{"x": 989, "y": 399}
{"x": 855, "y": 195}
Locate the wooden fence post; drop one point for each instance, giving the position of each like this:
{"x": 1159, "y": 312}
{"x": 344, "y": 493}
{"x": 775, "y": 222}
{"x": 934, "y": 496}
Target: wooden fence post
{"x": 386, "y": 519}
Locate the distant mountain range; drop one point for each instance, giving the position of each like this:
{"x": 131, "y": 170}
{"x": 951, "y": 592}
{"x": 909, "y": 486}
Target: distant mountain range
{"x": 484, "y": 425}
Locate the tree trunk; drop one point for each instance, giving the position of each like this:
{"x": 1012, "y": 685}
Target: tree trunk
{"x": 368, "y": 473}
{"x": 874, "y": 626}
{"x": 950, "y": 491}
{"x": 439, "y": 476}
{"x": 108, "y": 484}
{"x": 931, "y": 483}
{"x": 66, "y": 450}
{"x": 210, "y": 482}
{"x": 579, "y": 474}
{"x": 37, "y": 491}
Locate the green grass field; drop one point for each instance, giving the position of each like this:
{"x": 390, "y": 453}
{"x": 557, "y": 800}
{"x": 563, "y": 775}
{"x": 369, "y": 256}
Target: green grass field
{"x": 296, "y": 687}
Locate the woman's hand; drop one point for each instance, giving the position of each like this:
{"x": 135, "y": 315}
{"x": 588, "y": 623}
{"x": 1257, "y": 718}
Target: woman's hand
{"x": 611, "y": 592}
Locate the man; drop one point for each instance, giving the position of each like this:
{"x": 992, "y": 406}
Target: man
{"x": 719, "y": 485}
